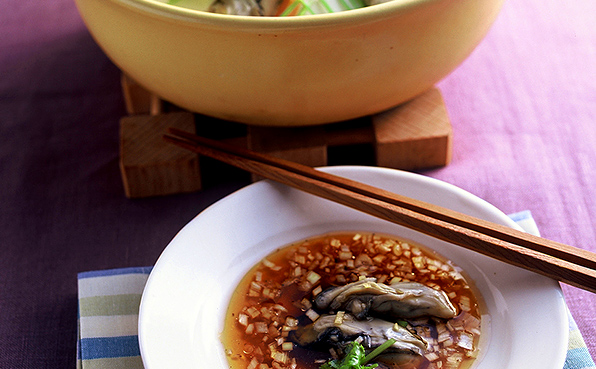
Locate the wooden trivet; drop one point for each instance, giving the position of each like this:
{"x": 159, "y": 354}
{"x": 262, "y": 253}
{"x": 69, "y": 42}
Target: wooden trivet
{"x": 414, "y": 135}
{"x": 149, "y": 165}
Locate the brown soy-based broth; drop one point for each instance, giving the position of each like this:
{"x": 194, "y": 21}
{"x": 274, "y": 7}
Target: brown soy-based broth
{"x": 275, "y": 296}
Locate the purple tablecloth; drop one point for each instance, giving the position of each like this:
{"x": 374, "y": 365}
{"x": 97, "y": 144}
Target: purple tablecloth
{"x": 523, "y": 108}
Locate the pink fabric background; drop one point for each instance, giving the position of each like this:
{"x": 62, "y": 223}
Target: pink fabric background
{"x": 523, "y": 108}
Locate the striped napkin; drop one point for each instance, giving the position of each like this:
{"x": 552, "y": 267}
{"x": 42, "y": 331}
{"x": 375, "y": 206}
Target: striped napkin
{"x": 109, "y": 306}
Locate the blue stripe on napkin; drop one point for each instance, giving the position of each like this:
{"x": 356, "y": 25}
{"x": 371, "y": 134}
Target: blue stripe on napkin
{"x": 579, "y": 358}
{"x": 110, "y": 341}
{"x": 109, "y": 347}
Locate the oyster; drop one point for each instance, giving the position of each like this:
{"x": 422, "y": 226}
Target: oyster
{"x": 399, "y": 300}
{"x": 331, "y": 330}
{"x": 244, "y": 7}
{"x": 236, "y": 7}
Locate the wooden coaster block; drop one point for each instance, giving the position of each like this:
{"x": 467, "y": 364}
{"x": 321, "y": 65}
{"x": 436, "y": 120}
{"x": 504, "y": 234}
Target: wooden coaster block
{"x": 139, "y": 100}
{"x": 414, "y": 135}
{"x": 152, "y": 167}
{"x": 304, "y": 145}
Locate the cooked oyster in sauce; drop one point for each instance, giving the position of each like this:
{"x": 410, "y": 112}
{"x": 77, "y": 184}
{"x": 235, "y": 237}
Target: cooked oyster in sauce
{"x": 305, "y": 303}
{"x": 338, "y": 330}
{"x": 398, "y": 300}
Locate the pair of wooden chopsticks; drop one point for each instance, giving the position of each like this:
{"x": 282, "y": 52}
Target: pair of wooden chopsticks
{"x": 570, "y": 265}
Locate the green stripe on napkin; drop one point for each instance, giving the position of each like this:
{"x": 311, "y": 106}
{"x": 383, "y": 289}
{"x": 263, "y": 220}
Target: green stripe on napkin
{"x": 109, "y": 305}
{"x": 115, "y": 363}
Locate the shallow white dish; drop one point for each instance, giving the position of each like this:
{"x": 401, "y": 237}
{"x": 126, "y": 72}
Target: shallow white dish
{"x": 186, "y": 296}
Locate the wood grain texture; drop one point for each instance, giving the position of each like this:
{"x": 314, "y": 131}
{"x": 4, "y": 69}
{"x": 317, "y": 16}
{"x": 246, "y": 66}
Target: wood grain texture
{"x": 417, "y": 134}
{"x": 151, "y": 167}
{"x": 306, "y": 145}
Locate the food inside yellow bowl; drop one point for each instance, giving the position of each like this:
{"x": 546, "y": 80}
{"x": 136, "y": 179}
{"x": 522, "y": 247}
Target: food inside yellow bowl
{"x": 279, "y": 7}
{"x": 353, "y": 301}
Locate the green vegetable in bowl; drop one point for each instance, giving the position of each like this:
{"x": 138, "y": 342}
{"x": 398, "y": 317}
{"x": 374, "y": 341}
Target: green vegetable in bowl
{"x": 356, "y": 357}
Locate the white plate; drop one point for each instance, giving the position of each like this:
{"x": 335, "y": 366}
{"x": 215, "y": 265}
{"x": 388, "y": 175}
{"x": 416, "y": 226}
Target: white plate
{"x": 186, "y": 296}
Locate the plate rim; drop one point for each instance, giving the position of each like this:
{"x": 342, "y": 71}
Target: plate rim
{"x": 345, "y": 170}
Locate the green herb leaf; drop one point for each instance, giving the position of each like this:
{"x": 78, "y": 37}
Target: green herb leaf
{"x": 356, "y": 358}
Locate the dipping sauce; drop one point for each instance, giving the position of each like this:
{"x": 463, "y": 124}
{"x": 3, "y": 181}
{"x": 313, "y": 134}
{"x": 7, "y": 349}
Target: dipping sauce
{"x": 276, "y": 297}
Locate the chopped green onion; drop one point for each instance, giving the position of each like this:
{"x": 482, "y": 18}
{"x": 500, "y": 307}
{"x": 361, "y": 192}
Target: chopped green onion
{"x": 402, "y": 323}
{"x": 378, "y": 350}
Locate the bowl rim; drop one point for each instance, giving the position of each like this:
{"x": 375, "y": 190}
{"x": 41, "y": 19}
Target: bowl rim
{"x": 176, "y": 13}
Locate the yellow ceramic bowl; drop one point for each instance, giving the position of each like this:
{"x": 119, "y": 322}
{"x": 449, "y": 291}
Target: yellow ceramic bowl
{"x": 289, "y": 71}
